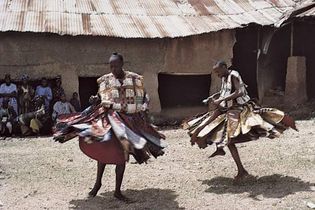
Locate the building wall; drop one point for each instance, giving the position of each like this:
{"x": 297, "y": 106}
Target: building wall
{"x": 49, "y": 55}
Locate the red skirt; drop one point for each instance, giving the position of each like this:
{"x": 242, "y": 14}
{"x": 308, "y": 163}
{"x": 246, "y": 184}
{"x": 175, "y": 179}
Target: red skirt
{"x": 101, "y": 132}
{"x": 109, "y": 152}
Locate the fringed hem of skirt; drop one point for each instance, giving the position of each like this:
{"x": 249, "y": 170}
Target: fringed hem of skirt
{"x": 239, "y": 124}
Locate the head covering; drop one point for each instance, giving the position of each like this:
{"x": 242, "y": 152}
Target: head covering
{"x": 25, "y": 77}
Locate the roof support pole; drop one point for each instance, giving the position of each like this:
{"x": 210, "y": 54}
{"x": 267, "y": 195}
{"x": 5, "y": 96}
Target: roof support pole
{"x": 258, "y": 51}
{"x": 292, "y": 39}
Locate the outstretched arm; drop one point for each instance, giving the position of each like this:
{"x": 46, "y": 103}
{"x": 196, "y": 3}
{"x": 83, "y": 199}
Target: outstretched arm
{"x": 212, "y": 97}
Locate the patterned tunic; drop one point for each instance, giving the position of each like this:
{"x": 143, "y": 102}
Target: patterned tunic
{"x": 227, "y": 88}
{"x": 104, "y": 128}
{"x": 242, "y": 120}
{"x": 127, "y": 95}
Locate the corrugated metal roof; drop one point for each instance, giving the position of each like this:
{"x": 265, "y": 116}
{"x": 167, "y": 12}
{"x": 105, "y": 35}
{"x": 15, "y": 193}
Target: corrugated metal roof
{"x": 306, "y": 9}
{"x": 309, "y": 12}
{"x": 137, "y": 18}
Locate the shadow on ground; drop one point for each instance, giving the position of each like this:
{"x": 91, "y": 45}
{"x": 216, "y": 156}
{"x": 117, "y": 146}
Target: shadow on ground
{"x": 140, "y": 199}
{"x": 273, "y": 186}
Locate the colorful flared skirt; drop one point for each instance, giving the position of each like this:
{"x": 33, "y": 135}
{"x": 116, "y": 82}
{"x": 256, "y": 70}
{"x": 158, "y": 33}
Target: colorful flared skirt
{"x": 237, "y": 124}
{"x": 109, "y": 136}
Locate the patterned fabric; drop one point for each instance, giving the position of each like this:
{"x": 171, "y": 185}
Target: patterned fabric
{"x": 226, "y": 90}
{"x": 126, "y": 96}
{"x": 239, "y": 124}
{"x": 57, "y": 92}
{"x": 242, "y": 120}
{"x": 115, "y": 128}
{"x": 98, "y": 124}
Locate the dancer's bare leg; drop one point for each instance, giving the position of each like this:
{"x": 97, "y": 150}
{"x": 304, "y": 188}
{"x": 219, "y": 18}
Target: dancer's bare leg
{"x": 120, "y": 170}
{"x": 240, "y": 168}
{"x": 98, "y": 183}
{"x": 218, "y": 152}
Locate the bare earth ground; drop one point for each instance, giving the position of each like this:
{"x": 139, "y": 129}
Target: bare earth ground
{"x": 41, "y": 174}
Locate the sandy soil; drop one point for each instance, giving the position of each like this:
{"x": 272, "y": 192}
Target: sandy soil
{"x": 41, "y": 174}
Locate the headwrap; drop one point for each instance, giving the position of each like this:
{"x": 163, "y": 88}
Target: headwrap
{"x": 25, "y": 77}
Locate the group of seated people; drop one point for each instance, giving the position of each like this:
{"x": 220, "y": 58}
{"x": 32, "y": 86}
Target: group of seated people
{"x": 26, "y": 110}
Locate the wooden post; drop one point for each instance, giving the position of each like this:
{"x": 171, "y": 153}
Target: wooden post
{"x": 292, "y": 39}
{"x": 257, "y": 66}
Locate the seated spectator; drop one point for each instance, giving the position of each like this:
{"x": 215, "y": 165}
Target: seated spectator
{"x": 75, "y": 102}
{"x": 7, "y": 117}
{"x": 32, "y": 122}
{"x": 57, "y": 90}
{"x": 9, "y": 90}
{"x": 45, "y": 91}
{"x": 26, "y": 94}
{"x": 62, "y": 107}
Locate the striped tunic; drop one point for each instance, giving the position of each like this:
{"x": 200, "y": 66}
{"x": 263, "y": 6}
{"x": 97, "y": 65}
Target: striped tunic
{"x": 227, "y": 87}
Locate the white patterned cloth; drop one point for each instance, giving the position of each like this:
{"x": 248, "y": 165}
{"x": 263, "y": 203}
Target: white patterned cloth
{"x": 226, "y": 90}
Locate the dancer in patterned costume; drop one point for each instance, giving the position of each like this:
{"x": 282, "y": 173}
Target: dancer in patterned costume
{"x": 115, "y": 125}
{"x": 236, "y": 118}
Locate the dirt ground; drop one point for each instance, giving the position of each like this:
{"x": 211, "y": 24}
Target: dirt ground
{"x": 41, "y": 174}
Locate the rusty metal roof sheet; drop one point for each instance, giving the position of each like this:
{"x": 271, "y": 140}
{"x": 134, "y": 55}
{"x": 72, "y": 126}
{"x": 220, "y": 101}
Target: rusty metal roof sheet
{"x": 310, "y": 10}
{"x": 306, "y": 9}
{"x": 137, "y": 18}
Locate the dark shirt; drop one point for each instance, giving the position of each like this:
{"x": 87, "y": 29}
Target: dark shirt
{"x": 57, "y": 92}
{"x": 76, "y": 104}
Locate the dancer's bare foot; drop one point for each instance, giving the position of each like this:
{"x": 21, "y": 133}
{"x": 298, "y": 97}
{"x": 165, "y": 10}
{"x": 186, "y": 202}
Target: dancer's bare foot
{"x": 241, "y": 175}
{"x": 95, "y": 189}
{"x": 218, "y": 152}
{"x": 121, "y": 197}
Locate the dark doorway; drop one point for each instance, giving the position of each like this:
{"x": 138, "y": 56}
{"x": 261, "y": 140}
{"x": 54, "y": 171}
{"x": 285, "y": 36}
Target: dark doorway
{"x": 87, "y": 87}
{"x": 245, "y": 57}
{"x": 304, "y": 45}
{"x": 183, "y": 90}
{"x": 278, "y": 53}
